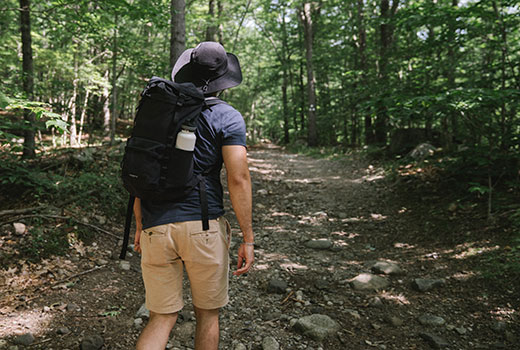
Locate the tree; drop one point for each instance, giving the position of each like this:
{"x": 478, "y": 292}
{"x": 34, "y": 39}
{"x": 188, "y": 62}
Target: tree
{"x": 27, "y": 77}
{"x": 178, "y": 30}
{"x": 306, "y": 14}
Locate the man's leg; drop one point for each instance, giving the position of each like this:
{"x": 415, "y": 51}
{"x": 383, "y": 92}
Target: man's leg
{"x": 156, "y": 333}
{"x": 207, "y": 333}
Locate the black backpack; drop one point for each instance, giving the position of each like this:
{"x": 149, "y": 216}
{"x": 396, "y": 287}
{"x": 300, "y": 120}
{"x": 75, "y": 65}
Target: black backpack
{"x": 152, "y": 167}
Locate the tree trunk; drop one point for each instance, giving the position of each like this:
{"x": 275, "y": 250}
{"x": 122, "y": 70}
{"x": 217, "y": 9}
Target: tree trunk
{"x": 106, "y": 107}
{"x": 29, "y": 145}
{"x": 82, "y": 117}
{"x": 220, "y": 31}
{"x": 306, "y": 16}
{"x": 72, "y": 110}
{"x": 113, "y": 112}
{"x": 178, "y": 30}
{"x": 285, "y": 67}
{"x": 211, "y": 30}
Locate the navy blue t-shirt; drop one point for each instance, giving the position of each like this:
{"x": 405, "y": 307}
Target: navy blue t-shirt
{"x": 221, "y": 126}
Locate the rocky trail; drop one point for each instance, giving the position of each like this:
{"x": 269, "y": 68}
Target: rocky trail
{"x": 345, "y": 259}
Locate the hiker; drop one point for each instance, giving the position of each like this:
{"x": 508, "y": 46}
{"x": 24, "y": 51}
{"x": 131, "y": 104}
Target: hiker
{"x": 170, "y": 235}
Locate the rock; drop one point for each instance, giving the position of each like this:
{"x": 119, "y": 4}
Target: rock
{"x": 321, "y": 243}
{"x": 431, "y": 320}
{"x": 424, "y": 285}
{"x": 73, "y": 307}
{"x": 185, "y": 331}
{"x": 269, "y": 343}
{"x": 63, "y": 331}
{"x": 277, "y": 286}
{"x": 395, "y": 321}
{"x": 102, "y": 262}
{"x": 143, "y": 312}
{"x": 92, "y": 342}
{"x": 375, "y": 302}
{"x": 13, "y": 347}
{"x": 321, "y": 284}
{"x": 262, "y": 192}
{"x": 3, "y": 343}
{"x": 435, "y": 341}
{"x": 240, "y": 346}
{"x": 138, "y": 322}
{"x": 367, "y": 281}
{"x": 185, "y": 315}
{"x": 124, "y": 265}
{"x": 461, "y": 330}
{"x": 316, "y": 326}
{"x": 19, "y": 228}
{"x": 387, "y": 268}
{"x": 354, "y": 313}
{"x": 422, "y": 151}
{"x": 24, "y": 339}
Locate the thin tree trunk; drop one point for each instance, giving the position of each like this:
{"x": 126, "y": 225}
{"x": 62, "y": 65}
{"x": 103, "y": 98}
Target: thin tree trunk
{"x": 211, "y": 30}
{"x": 306, "y": 16}
{"x": 113, "y": 112}
{"x": 285, "y": 66}
{"x": 82, "y": 117}
{"x": 106, "y": 107}
{"x": 220, "y": 30}
{"x": 27, "y": 77}
{"x": 177, "y": 30}
{"x": 72, "y": 110}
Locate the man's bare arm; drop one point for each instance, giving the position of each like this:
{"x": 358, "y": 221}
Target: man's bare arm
{"x": 239, "y": 185}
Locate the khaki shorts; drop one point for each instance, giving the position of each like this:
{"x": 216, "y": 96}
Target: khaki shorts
{"x": 205, "y": 255}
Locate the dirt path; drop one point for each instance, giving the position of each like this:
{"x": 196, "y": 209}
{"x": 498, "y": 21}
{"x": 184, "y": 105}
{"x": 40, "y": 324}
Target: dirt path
{"x": 345, "y": 207}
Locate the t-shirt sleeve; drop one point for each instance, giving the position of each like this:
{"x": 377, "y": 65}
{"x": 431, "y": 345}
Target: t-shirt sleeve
{"x": 234, "y": 129}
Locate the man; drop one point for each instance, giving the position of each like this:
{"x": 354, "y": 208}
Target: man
{"x": 170, "y": 235}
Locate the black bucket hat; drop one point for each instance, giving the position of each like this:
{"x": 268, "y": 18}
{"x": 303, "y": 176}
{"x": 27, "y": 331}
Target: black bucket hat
{"x": 209, "y": 67}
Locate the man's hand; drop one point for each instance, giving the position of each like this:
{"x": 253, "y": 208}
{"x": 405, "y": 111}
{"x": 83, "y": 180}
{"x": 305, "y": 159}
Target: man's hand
{"x": 137, "y": 241}
{"x": 246, "y": 256}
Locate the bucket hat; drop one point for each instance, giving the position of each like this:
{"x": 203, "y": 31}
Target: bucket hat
{"x": 209, "y": 67}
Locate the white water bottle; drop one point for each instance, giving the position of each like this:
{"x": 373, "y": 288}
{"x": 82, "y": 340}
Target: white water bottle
{"x": 186, "y": 138}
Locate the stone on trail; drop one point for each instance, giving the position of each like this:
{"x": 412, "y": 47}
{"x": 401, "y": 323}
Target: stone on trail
{"x": 276, "y": 286}
{"x": 143, "y": 312}
{"x": 435, "y": 341}
{"x": 269, "y": 343}
{"x": 316, "y": 326}
{"x": 367, "y": 281}
{"x": 24, "y": 339}
{"x": 19, "y": 228}
{"x": 431, "y": 320}
{"x": 321, "y": 243}
{"x": 387, "y": 268}
{"x": 425, "y": 284}
{"x": 63, "y": 331}
{"x": 395, "y": 321}
{"x": 92, "y": 342}
{"x": 124, "y": 265}
{"x": 240, "y": 346}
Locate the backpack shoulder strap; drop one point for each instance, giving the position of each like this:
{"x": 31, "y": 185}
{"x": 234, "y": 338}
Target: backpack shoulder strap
{"x": 212, "y": 101}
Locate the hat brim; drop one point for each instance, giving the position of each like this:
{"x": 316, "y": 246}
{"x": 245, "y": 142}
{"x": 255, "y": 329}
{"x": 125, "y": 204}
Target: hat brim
{"x": 183, "y": 72}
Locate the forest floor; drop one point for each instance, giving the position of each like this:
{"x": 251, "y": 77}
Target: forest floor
{"x": 319, "y": 223}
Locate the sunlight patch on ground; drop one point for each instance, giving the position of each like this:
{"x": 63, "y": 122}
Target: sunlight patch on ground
{"x": 472, "y": 251}
{"x": 503, "y": 313}
{"x": 291, "y": 266}
{"x": 276, "y": 213}
{"x": 22, "y": 322}
{"x": 404, "y": 245}
{"x": 398, "y": 299}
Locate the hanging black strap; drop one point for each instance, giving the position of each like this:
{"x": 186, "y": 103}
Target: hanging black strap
{"x": 128, "y": 222}
{"x": 203, "y": 202}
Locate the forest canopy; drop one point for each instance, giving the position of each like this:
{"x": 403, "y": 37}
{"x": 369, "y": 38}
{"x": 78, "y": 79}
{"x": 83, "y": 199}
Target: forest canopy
{"x": 384, "y": 75}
